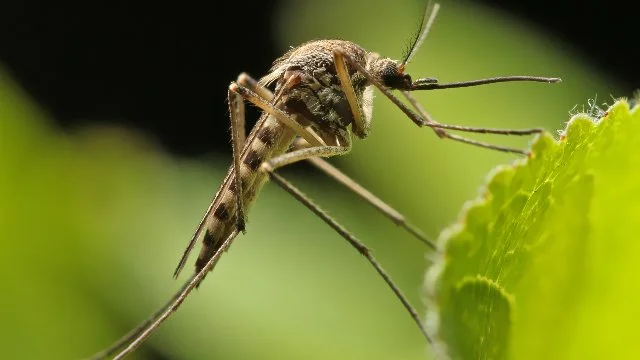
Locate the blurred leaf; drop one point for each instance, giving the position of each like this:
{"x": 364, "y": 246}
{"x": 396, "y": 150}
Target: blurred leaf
{"x": 544, "y": 264}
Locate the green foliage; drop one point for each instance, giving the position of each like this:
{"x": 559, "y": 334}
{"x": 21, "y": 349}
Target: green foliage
{"x": 544, "y": 264}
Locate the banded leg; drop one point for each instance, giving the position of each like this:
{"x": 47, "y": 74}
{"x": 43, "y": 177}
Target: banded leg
{"x": 341, "y": 59}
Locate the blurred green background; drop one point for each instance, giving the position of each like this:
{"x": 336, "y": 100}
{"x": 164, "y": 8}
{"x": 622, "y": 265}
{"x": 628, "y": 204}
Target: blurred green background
{"x": 92, "y": 223}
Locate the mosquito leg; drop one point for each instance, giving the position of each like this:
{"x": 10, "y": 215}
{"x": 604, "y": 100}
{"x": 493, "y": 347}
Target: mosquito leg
{"x": 366, "y": 195}
{"x": 239, "y": 115}
{"x": 438, "y": 125}
{"x": 236, "y": 113}
{"x": 135, "y": 337}
{"x": 341, "y": 57}
{"x": 252, "y": 84}
{"x": 324, "y": 151}
{"x": 236, "y": 93}
{"x": 353, "y": 241}
{"x": 439, "y": 130}
{"x": 238, "y": 137}
{"x": 416, "y": 105}
{"x": 133, "y": 334}
{"x": 260, "y": 96}
{"x": 303, "y": 154}
{"x": 360, "y": 126}
{"x": 277, "y": 113}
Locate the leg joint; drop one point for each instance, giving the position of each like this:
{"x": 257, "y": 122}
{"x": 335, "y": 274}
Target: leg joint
{"x": 266, "y": 167}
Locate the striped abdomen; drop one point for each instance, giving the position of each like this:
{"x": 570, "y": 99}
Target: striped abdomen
{"x": 264, "y": 143}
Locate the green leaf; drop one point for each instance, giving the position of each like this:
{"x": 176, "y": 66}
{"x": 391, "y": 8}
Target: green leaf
{"x": 545, "y": 263}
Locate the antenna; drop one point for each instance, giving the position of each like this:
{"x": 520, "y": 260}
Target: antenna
{"x": 430, "y": 14}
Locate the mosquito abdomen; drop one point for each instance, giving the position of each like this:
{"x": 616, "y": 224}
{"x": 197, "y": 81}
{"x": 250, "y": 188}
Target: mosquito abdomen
{"x": 271, "y": 139}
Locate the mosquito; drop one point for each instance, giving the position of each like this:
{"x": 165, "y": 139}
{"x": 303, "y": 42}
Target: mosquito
{"x": 322, "y": 95}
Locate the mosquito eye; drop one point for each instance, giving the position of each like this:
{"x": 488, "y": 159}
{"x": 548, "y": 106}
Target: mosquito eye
{"x": 391, "y": 77}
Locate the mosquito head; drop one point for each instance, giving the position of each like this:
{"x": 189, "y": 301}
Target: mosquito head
{"x": 390, "y": 73}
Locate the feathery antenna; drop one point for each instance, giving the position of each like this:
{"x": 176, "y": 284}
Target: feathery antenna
{"x": 430, "y": 16}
